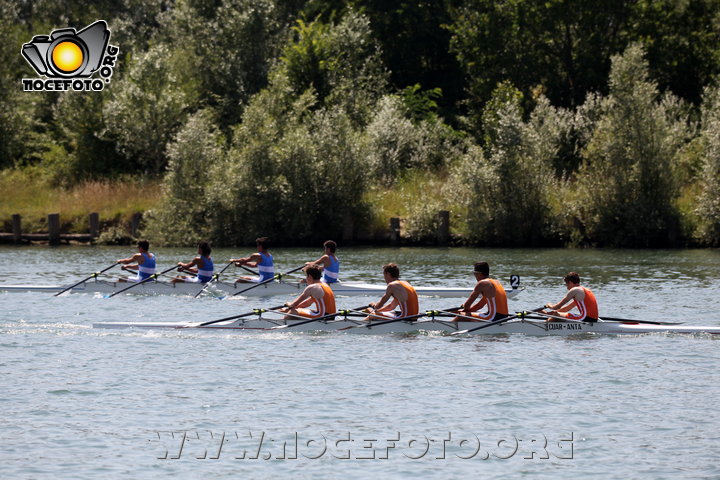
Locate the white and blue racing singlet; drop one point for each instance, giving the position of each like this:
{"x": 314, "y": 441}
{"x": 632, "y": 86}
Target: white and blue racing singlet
{"x": 147, "y": 268}
{"x": 265, "y": 267}
{"x": 331, "y": 272}
{"x": 205, "y": 274}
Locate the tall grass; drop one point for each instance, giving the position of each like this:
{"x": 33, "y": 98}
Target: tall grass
{"x": 31, "y": 195}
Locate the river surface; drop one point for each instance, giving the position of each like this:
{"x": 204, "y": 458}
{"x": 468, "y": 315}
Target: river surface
{"x": 84, "y": 403}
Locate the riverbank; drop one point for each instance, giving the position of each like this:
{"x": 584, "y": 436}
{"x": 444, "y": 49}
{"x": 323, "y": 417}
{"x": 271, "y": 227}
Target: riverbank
{"x": 31, "y": 194}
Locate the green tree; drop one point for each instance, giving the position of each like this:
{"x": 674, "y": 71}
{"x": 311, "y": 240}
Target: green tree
{"x": 230, "y": 45}
{"x": 340, "y": 62}
{"x": 414, "y": 42}
{"x": 183, "y": 216}
{"x": 628, "y": 184}
{"x": 147, "y": 106}
{"x": 16, "y": 107}
{"x": 709, "y": 199}
{"x": 506, "y": 190}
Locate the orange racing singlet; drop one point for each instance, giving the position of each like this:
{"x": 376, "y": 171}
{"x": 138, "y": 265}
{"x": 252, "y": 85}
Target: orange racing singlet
{"x": 588, "y": 307}
{"x": 497, "y": 306}
{"x": 324, "y": 305}
{"x": 409, "y": 306}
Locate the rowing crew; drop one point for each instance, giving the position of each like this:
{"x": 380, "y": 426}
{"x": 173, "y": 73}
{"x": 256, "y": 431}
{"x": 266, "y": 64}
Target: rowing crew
{"x": 318, "y": 299}
{"x": 201, "y": 268}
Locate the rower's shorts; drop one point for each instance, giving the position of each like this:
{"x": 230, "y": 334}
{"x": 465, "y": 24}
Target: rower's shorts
{"x": 308, "y": 313}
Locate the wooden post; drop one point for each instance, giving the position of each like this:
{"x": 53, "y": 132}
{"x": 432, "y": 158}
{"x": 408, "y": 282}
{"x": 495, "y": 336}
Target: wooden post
{"x": 135, "y": 224}
{"x": 54, "y": 228}
{"x": 395, "y": 230}
{"x": 17, "y": 228}
{"x": 94, "y": 221}
{"x": 443, "y": 232}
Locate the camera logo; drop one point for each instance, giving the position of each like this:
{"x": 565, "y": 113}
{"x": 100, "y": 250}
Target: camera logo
{"x": 68, "y": 59}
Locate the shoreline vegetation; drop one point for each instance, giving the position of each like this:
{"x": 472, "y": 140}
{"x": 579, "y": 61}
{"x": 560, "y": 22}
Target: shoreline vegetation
{"x": 534, "y": 126}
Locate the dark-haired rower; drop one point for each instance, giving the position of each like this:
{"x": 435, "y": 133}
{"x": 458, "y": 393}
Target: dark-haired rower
{"x": 328, "y": 262}
{"x": 201, "y": 265}
{"x": 491, "y": 293}
{"x": 262, "y": 259}
{"x": 143, "y": 262}
{"x": 317, "y": 292}
{"x": 402, "y": 293}
{"x": 577, "y": 297}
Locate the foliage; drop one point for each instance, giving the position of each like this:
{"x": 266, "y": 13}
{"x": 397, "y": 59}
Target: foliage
{"x": 398, "y": 144}
{"x": 229, "y": 46}
{"x": 505, "y": 189}
{"x": 313, "y": 116}
{"x": 147, "y": 106}
{"x": 340, "y": 63}
{"x": 627, "y": 185}
{"x": 183, "y": 216}
{"x": 709, "y": 199}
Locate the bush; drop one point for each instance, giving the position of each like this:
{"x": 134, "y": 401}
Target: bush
{"x": 183, "y": 216}
{"x": 627, "y": 186}
{"x": 709, "y": 198}
{"x": 505, "y": 190}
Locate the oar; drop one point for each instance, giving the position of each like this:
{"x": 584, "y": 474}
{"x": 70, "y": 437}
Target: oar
{"x": 496, "y": 322}
{"x": 611, "y": 319}
{"x": 278, "y": 277}
{"x": 639, "y": 321}
{"x": 248, "y": 269}
{"x": 379, "y": 324}
{"x": 339, "y": 312}
{"x": 449, "y": 313}
{"x": 151, "y": 277}
{"x": 255, "y": 311}
{"x": 94, "y": 275}
{"x": 213, "y": 280}
{"x": 561, "y": 318}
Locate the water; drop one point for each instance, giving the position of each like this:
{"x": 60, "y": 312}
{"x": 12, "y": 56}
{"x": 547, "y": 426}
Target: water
{"x": 80, "y": 403}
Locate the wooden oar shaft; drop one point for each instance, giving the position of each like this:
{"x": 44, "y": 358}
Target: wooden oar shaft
{"x": 94, "y": 275}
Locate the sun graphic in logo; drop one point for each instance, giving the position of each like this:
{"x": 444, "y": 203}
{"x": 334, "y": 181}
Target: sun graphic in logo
{"x": 67, "y": 56}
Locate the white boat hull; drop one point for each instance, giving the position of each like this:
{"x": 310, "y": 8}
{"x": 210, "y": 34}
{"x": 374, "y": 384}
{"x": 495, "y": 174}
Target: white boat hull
{"x": 222, "y": 289}
{"x": 525, "y": 327}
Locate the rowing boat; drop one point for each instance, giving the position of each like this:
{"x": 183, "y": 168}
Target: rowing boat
{"x": 222, "y": 289}
{"x": 355, "y": 325}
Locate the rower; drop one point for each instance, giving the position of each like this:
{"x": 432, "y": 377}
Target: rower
{"x": 577, "y": 297}
{"x": 143, "y": 262}
{"x": 262, "y": 259}
{"x": 329, "y": 263}
{"x": 316, "y": 292}
{"x": 202, "y": 266}
{"x": 402, "y": 293}
{"x": 492, "y": 295}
